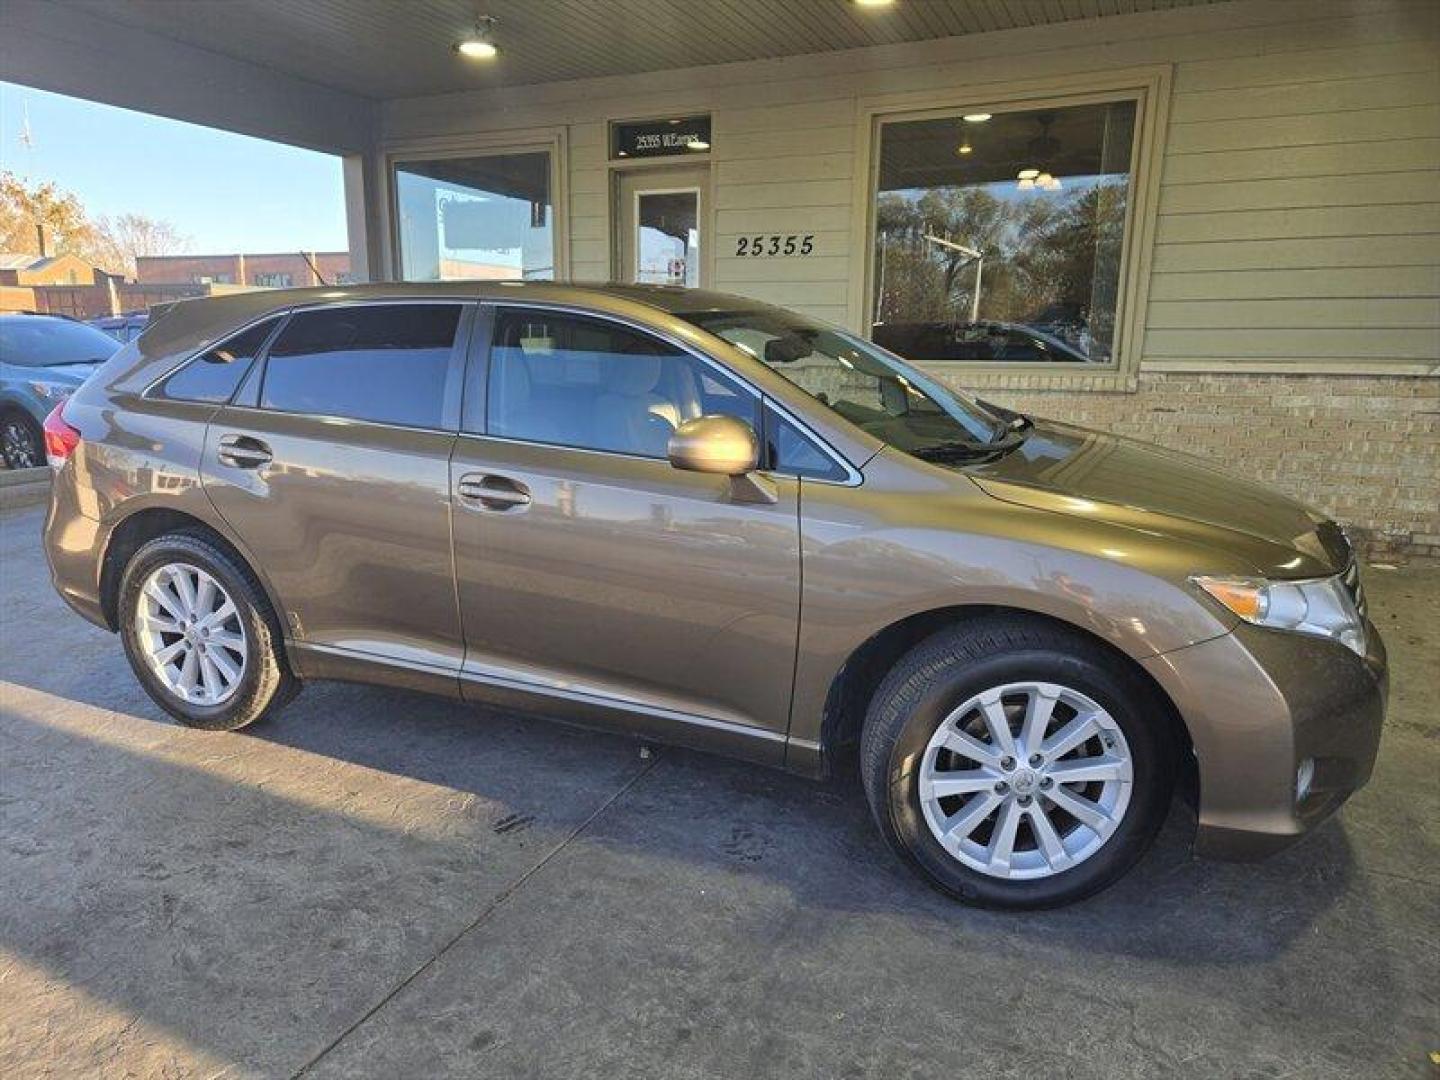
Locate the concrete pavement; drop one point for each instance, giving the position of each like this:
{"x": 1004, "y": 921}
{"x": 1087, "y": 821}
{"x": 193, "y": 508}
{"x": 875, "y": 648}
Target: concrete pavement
{"x": 382, "y": 884}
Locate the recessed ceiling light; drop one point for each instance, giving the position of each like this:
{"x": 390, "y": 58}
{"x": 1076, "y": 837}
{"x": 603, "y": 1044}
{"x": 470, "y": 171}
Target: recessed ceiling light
{"x": 480, "y": 44}
{"x": 1028, "y": 174}
{"x": 873, "y": 3}
{"x": 964, "y": 148}
{"x": 976, "y": 117}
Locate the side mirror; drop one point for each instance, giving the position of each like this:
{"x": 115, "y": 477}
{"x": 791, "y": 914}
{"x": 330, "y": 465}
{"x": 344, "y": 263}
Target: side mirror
{"x": 715, "y": 444}
{"x": 724, "y": 446}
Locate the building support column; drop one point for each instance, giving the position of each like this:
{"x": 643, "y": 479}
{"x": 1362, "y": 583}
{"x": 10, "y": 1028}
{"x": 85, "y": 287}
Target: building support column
{"x": 362, "y": 217}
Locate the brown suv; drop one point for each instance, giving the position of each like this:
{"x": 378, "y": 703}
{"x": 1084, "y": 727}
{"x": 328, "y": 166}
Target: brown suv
{"x": 700, "y": 519}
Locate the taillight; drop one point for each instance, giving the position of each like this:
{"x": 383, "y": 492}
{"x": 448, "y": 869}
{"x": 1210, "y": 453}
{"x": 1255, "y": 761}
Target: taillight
{"x": 60, "y": 438}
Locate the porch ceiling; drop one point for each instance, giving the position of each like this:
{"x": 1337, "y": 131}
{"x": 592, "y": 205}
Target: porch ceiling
{"x": 386, "y": 49}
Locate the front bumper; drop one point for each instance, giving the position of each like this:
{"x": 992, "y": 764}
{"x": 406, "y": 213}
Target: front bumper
{"x": 1260, "y": 703}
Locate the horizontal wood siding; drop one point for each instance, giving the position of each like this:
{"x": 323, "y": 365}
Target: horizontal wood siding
{"x": 1299, "y": 210}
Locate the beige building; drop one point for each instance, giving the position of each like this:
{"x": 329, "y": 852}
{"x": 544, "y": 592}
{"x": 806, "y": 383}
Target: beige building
{"x": 29, "y": 270}
{"x": 1211, "y": 225}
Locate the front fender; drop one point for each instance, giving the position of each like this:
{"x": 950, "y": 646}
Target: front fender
{"x": 914, "y": 544}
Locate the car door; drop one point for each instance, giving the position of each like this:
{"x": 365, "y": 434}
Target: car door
{"x": 597, "y": 581}
{"x": 332, "y": 466}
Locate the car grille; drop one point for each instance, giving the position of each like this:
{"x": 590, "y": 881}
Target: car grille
{"x": 1351, "y": 580}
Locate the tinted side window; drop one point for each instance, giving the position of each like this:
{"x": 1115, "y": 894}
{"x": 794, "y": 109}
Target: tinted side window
{"x": 595, "y": 385}
{"x": 214, "y": 376}
{"x": 789, "y": 450}
{"x": 381, "y": 362}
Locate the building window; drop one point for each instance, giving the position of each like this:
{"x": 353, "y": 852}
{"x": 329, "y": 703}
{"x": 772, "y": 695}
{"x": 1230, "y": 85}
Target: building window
{"x": 486, "y": 217}
{"x": 998, "y": 236}
{"x": 275, "y": 280}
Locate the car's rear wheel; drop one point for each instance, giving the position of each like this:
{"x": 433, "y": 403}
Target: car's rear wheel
{"x": 22, "y": 444}
{"x": 200, "y": 634}
{"x": 1016, "y": 764}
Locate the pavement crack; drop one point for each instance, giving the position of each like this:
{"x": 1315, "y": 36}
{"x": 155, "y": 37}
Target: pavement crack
{"x": 485, "y": 913}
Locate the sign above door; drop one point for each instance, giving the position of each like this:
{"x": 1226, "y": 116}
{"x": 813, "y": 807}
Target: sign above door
{"x": 669, "y": 137}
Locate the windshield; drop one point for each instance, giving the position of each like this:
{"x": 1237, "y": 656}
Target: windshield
{"x": 873, "y": 389}
{"x": 41, "y": 341}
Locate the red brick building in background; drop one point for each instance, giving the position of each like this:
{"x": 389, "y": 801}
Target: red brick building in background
{"x": 67, "y": 285}
{"x": 280, "y": 270}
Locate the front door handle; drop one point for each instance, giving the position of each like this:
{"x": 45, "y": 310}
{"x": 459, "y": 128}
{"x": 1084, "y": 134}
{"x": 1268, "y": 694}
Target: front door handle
{"x": 243, "y": 452}
{"x": 493, "y": 492}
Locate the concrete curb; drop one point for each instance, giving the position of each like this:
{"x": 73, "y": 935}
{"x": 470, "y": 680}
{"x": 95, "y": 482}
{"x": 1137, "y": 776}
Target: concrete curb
{"x": 24, "y": 487}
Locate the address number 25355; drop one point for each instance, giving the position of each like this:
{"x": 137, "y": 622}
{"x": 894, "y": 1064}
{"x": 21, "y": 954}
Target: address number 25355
{"x": 774, "y": 244}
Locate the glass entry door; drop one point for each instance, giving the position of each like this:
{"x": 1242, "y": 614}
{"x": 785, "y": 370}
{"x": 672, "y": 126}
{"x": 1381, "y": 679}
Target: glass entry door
{"x": 660, "y": 215}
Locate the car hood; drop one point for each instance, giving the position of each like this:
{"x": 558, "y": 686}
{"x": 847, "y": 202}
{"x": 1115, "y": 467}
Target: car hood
{"x": 1074, "y": 470}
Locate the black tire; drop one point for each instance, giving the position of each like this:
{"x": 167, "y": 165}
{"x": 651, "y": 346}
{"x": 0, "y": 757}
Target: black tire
{"x": 22, "y": 443}
{"x": 266, "y": 682}
{"x": 947, "y": 669}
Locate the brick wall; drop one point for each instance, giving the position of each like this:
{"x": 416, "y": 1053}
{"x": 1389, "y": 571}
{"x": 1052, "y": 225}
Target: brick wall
{"x": 242, "y": 269}
{"x": 1365, "y": 449}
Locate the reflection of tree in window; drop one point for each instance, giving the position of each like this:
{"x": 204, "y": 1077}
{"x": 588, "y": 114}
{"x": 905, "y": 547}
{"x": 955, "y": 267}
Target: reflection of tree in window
{"x": 1051, "y": 254}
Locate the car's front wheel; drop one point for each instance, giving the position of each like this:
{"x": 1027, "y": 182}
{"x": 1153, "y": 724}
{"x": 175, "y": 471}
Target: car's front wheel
{"x": 1016, "y": 764}
{"x": 200, "y": 634}
{"x": 22, "y": 445}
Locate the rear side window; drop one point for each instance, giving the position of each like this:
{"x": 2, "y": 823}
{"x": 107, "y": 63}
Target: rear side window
{"x": 385, "y": 363}
{"x": 214, "y": 376}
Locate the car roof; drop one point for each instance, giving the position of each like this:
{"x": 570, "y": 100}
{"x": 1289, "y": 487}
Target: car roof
{"x": 186, "y": 324}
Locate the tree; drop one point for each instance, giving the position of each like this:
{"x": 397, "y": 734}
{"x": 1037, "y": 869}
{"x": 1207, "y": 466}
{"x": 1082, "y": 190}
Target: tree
{"x": 134, "y": 235}
{"x": 110, "y": 245}
{"x": 24, "y": 207}
{"x": 931, "y": 282}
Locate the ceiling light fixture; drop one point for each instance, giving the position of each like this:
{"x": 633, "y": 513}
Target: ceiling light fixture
{"x": 480, "y": 45}
{"x": 873, "y": 3}
{"x": 976, "y": 117}
{"x": 964, "y": 147}
{"x": 1043, "y": 148}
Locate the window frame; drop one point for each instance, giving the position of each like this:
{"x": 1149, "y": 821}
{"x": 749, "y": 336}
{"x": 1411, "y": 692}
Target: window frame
{"x": 551, "y": 141}
{"x": 1149, "y": 88}
{"x": 454, "y": 372}
{"x": 474, "y": 422}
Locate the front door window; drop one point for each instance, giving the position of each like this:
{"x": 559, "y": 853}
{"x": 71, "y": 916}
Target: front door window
{"x": 667, "y": 238}
{"x": 595, "y": 385}
{"x": 660, "y": 226}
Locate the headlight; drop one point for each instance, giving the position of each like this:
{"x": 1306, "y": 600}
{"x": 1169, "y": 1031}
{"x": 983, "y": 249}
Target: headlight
{"x": 51, "y": 391}
{"x": 1320, "y": 606}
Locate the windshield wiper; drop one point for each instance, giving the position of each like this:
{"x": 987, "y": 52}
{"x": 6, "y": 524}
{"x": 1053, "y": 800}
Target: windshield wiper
{"x": 957, "y": 451}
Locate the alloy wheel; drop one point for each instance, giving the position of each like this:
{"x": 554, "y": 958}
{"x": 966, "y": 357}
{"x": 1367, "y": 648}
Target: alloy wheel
{"x": 1025, "y": 780}
{"x": 191, "y": 634}
{"x": 18, "y": 445}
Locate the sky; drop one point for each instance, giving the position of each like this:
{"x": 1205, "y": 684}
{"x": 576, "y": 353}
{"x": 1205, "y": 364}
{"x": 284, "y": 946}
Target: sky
{"x": 225, "y": 192}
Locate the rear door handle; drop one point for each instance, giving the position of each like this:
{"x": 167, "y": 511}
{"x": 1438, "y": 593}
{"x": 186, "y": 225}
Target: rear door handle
{"x": 493, "y": 492}
{"x": 243, "y": 452}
